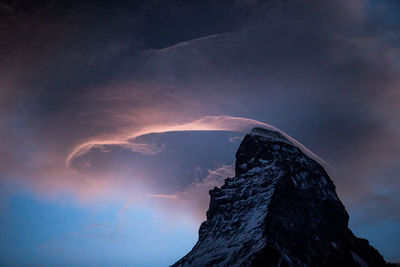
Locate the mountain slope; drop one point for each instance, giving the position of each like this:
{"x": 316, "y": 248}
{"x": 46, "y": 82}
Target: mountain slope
{"x": 280, "y": 209}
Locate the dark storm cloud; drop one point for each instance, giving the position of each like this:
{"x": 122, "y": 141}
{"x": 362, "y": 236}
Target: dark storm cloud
{"x": 325, "y": 72}
{"x": 63, "y": 59}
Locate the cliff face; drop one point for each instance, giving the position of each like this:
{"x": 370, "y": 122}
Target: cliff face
{"x": 280, "y": 209}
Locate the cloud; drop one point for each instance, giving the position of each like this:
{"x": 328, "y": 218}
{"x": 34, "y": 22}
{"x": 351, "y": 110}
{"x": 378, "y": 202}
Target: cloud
{"x": 78, "y": 103}
{"x": 208, "y": 123}
{"x": 163, "y": 196}
{"x": 171, "y": 152}
{"x": 195, "y": 198}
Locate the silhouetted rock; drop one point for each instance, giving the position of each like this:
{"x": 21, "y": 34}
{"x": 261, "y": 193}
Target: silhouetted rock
{"x": 280, "y": 209}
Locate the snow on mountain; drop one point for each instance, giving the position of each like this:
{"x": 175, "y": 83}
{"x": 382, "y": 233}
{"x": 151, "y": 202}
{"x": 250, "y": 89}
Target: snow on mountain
{"x": 280, "y": 209}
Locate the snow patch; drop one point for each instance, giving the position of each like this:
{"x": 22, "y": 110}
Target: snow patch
{"x": 358, "y": 259}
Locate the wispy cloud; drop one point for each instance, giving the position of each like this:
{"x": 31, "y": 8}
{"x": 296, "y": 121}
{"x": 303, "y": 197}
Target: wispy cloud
{"x": 82, "y": 93}
{"x": 163, "y": 196}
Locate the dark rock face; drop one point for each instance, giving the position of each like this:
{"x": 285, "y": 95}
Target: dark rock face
{"x": 280, "y": 209}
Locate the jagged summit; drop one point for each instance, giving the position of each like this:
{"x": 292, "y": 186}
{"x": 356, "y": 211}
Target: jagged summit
{"x": 280, "y": 209}
{"x": 274, "y": 135}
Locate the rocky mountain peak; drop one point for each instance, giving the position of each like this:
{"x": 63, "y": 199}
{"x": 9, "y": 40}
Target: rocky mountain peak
{"x": 280, "y": 209}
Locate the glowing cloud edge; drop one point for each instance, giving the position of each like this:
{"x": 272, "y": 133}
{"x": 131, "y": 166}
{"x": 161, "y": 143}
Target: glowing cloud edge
{"x": 207, "y": 123}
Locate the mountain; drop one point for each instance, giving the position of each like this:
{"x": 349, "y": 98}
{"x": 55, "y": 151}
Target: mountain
{"x": 280, "y": 209}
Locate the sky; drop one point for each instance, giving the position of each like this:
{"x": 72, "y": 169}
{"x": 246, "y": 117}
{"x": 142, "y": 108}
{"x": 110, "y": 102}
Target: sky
{"x": 117, "y": 117}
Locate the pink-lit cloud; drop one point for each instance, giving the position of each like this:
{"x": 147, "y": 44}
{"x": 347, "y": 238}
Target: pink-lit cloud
{"x": 106, "y": 109}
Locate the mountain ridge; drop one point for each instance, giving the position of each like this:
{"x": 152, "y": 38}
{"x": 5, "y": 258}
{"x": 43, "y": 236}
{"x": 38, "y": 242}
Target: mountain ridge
{"x": 280, "y": 209}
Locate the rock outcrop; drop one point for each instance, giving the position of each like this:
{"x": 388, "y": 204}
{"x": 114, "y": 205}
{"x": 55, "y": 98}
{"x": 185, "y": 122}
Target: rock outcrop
{"x": 280, "y": 209}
